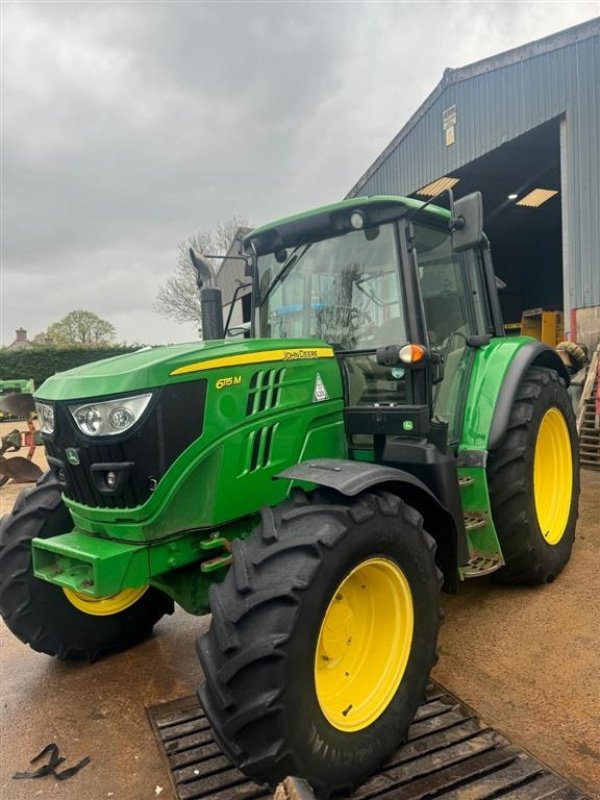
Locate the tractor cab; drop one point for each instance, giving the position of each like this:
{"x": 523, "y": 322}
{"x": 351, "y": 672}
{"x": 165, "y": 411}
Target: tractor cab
{"x": 384, "y": 283}
{"x": 404, "y": 293}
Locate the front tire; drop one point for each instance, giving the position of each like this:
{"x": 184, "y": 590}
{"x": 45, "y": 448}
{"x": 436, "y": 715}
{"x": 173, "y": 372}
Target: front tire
{"x": 534, "y": 481}
{"x": 39, "y": 613}
{"x": 322, "y": 639}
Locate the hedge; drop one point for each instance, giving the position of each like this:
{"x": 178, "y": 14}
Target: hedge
{"x": 41, "y": 362}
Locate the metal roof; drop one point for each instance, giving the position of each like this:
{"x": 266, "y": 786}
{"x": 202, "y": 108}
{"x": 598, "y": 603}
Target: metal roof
{"x": 556, "y": 41}
{"x": 494, "y": 102}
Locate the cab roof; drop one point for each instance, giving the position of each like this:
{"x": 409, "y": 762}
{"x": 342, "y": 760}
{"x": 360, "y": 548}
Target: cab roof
{"x": 334, "y": 219}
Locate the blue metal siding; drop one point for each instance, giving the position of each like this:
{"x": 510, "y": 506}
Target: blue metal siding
{"x": 498, "y": 105}
{"x": 584, "y": 164}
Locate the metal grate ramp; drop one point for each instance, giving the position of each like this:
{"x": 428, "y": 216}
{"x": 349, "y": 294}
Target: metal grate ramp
{"x": 450, "y": 755}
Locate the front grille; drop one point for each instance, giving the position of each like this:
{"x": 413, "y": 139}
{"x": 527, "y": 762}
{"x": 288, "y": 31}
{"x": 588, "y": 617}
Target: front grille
{"x": 172, "y": 422}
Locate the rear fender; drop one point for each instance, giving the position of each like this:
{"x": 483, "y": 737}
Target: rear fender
{"x": 531, "y": 354}
{"x": 351, "y": 478}
{"x": 497, "y": 373}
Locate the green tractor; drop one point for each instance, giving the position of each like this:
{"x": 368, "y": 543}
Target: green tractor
{"x": 313, "y": 485}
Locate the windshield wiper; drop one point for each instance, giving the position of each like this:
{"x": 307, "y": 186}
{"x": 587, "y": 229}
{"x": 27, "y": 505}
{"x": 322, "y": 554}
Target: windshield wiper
{"x": 293, "y": 259}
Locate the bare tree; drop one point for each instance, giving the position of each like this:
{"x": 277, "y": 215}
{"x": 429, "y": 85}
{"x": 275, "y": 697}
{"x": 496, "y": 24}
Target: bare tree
{"x": 178, "y": 298}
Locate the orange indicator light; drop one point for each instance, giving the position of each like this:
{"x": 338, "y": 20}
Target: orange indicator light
{"x": 412, "y": 353}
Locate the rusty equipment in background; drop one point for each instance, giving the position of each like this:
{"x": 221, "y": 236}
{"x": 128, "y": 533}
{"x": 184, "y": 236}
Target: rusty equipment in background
{"x": 20, "y": 468}
{"x": 10, "y": 387}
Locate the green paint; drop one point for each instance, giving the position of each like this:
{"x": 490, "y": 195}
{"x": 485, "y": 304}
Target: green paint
{"x": 367, "y": 456}
{"x": 102, "y": 567}
{"x": 355, "y": 202}
{"x": 22, "y": 385}
{"x": 475, "y": 500}
{"x": 489, "y": 369}
{"x": 216, "y": 542}
{"x": 100, "y": 555}
{"x": 189, "y": 587}
{"x": 152, "y": 367}
{"x": 487, "y": 375}
{"x": 191, "y": 494}
{"x": 85, "y": 564}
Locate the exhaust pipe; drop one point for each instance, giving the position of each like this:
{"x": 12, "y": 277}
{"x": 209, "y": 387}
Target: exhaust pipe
{"x": 211, "y": 309}
{"x": 211, "y": 312}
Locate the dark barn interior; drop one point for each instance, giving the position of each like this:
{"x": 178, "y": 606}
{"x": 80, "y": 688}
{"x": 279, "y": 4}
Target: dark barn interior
{"x": 526, "y": 242}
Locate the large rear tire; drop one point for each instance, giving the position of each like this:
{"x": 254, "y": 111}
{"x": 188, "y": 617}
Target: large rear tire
{"x": 41, "y": 614}
{"x": 322, "y": 639}
{"x": 534, "y": 481}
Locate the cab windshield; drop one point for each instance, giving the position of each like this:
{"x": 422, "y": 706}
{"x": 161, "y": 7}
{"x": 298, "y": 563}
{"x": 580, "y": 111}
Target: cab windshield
{"x": 345, "y": 290}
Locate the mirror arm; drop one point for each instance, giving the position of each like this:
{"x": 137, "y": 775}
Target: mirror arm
{"x": 454, "y": 223}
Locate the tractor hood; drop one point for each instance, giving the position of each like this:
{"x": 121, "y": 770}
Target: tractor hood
{"x": 157, "y": 366}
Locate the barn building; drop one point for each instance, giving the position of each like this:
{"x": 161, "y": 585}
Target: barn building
{"x": 523, "y": 127}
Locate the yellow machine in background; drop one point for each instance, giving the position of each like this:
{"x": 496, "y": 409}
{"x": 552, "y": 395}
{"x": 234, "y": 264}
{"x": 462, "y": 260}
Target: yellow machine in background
{"x": 540, "y": 323}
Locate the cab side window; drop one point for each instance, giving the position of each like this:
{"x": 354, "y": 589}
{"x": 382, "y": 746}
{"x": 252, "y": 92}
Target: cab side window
{"x": 450, "y": 297}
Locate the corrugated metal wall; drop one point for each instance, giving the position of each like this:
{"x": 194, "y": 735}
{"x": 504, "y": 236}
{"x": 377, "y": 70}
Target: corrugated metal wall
{"x": 498, "y": 100}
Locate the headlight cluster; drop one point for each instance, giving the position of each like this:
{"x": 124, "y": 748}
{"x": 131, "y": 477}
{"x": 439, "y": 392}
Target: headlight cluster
{"x": 45, "y": 414}
{"x": 110, "y": 417}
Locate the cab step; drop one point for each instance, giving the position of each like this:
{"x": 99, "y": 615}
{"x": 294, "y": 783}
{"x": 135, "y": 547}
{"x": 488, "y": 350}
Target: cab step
{"x": 474, "y": 521}
{"x": 479, "y": 565}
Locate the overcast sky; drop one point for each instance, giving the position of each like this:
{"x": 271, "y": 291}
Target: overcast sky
{"x": 128, "y": 126}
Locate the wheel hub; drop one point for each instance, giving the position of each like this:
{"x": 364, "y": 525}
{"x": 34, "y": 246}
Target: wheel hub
{"x": 364, "y": 644}
{"x": 104, "y": 606}
{"x": 336, "y": 638}
{"x": 553, "y": 476}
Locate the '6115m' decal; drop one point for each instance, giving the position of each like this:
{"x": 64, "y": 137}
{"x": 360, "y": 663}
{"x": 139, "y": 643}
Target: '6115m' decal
{"x": 230, "y": 380}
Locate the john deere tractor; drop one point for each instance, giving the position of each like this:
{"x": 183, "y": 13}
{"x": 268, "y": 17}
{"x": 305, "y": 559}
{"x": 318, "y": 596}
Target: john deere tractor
{"x": 313, "y": 485}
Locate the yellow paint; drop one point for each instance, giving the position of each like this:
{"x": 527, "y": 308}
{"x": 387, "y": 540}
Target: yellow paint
{"x": 364, "y": 644}
{"x": 104, "y": 606}
{"x": 291, "y": 354}
{"x": 230, "y": 380}
{"x": 553, "y": 476}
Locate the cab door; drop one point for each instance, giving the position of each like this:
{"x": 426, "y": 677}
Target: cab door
{"x": 455, "y": 308}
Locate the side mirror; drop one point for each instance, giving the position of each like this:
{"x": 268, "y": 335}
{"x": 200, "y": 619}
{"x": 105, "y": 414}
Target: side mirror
{"x": 467, "y": 222}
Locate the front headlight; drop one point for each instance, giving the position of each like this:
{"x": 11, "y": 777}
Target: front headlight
{"x": 111, "y": 416}
{"x": 45, "y": 416}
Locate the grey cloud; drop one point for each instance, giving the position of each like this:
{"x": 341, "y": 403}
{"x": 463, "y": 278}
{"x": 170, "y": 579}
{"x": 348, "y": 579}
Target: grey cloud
{"x": 128, "y": 126}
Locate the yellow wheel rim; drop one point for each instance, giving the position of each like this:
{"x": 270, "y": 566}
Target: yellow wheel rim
{"x": 364, "y": 644}
{"x": 553, "y": 476}
{"x": 104, "y": 606}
